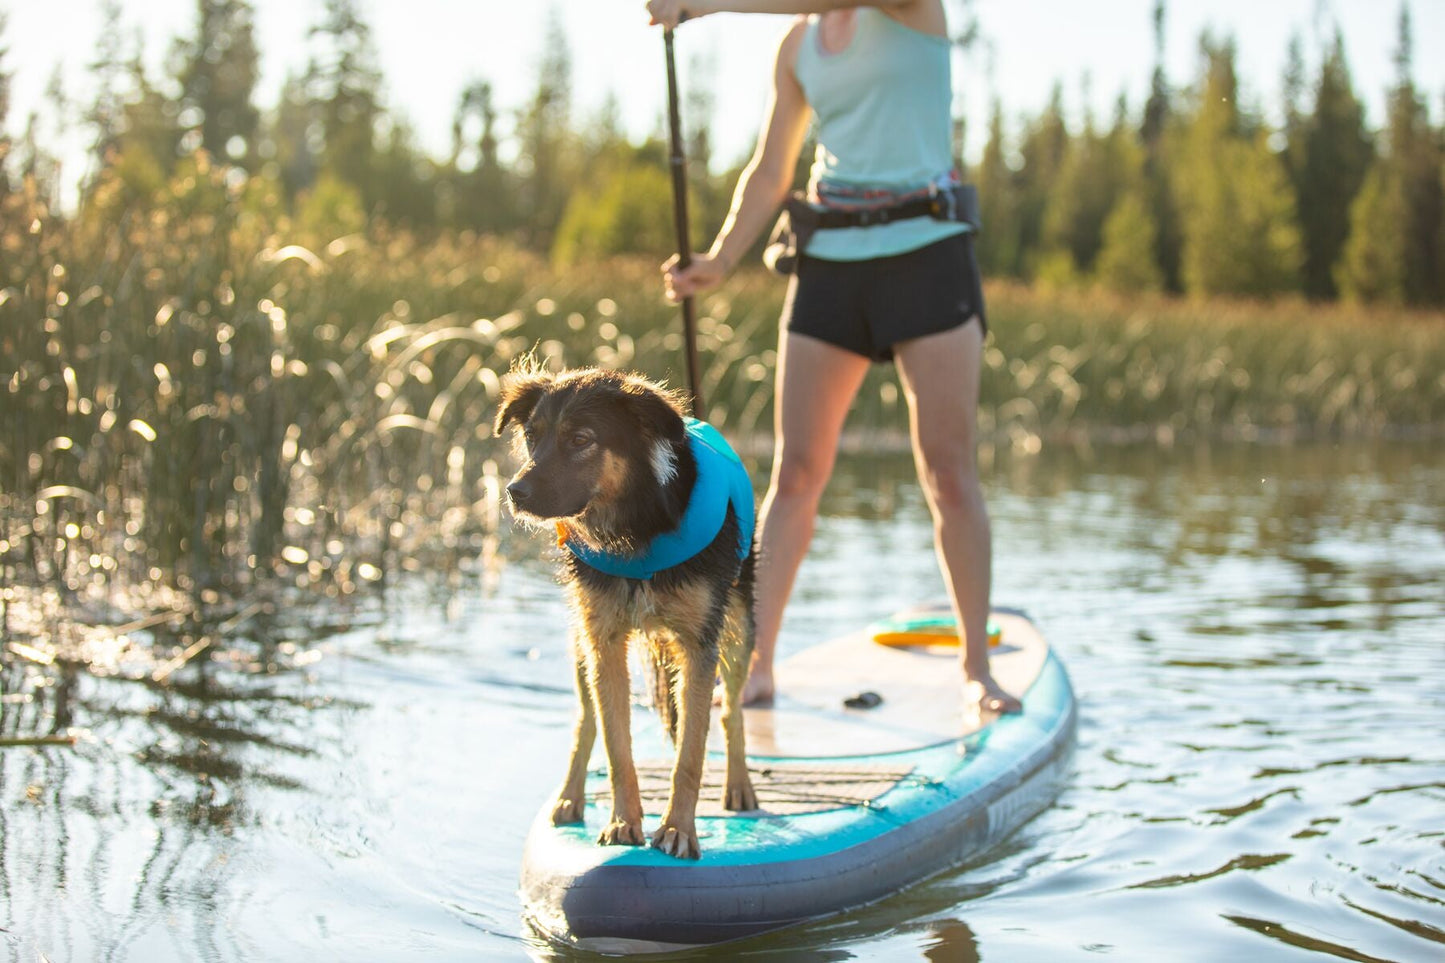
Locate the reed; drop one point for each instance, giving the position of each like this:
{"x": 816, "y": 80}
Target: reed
{"x": 199, "y": 396}
{"x": 1215, "y": 368}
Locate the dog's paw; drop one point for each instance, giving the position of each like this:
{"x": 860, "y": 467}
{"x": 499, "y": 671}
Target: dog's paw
{"x": 740, "y": 798}
{"x": 620, "y": 832}
{"x": 678, "y": 842}
{"x": 566, "y": 811}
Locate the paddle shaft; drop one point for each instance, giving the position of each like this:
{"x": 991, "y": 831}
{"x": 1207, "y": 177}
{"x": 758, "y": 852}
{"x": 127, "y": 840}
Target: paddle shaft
{"x": 678, "y": 163}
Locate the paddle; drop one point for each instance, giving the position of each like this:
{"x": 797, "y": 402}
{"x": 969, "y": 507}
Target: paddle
{"x": 678, "y": 163}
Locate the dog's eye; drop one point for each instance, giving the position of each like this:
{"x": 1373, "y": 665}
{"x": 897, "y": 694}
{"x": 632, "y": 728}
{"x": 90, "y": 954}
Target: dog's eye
{"x": 580, "y": 440}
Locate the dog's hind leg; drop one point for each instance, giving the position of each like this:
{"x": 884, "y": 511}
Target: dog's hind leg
{"x": 737, "y": 650}
{"x": 572, "y": 797}
{"x": 696, "y": 666}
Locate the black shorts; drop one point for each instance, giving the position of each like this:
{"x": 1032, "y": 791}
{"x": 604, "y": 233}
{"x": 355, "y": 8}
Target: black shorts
{"x": 867, "y": 307}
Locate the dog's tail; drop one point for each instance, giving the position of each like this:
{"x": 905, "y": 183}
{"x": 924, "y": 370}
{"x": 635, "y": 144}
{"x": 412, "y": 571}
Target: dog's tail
{"x": 664, "y": 693}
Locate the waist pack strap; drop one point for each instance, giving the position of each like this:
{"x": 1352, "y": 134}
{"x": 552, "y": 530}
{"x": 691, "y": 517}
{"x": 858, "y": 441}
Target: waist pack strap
{"x": 958, "y": 204}
{"x": 800, "y": 220}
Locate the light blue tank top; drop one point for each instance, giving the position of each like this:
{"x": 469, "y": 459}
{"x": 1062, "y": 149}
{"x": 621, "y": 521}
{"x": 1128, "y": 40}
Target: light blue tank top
{"x": 883, "y": 106}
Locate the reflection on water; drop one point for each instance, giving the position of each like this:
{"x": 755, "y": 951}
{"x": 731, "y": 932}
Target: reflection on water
{"x": 1255, "y": 635}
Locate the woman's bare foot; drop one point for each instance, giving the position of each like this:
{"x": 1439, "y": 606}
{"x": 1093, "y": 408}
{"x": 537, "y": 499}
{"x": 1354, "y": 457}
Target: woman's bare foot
{"x": 757, "y": 690}
{"x": 989, "y": 696}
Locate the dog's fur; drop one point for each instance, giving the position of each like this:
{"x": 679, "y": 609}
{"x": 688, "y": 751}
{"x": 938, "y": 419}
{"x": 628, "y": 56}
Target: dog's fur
{"x": 606, "y": 456}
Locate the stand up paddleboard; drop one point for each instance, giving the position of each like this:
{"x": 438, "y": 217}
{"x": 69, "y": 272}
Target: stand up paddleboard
{"x": 869, "y": 778}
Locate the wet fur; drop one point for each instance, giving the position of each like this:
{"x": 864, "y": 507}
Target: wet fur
{"x": 607, "y": 454}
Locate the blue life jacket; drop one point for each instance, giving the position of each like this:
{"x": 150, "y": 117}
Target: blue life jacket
{"x": 721, "y": 481}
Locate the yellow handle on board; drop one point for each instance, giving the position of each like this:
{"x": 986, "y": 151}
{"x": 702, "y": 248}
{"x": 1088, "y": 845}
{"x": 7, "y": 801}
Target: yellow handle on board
{"x": 932, "y": 635}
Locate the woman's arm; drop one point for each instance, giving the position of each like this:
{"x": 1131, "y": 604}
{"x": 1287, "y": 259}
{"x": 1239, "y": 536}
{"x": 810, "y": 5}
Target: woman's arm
{"x": 768, "y": 176}
{"x": 764, "y": 182}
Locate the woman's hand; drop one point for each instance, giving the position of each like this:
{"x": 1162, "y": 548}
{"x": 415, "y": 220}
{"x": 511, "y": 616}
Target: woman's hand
{"x": 704, "y": 272}
{"x": 670, "y": 13}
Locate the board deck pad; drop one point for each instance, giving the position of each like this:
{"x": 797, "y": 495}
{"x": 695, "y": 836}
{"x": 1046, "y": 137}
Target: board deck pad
{"x": 921, "y": 688}
{"x": 783, "y": 788}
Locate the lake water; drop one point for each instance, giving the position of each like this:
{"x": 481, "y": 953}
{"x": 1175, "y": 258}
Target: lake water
{"x": 1256, "y": 636}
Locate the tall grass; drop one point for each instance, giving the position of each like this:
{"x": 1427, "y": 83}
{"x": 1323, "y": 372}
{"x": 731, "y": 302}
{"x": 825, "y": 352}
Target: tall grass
{"x": 1232, "y": 368}
{"x": 199, "y": 396}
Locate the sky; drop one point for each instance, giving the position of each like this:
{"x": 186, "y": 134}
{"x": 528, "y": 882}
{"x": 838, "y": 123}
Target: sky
{"x": 431, "y": 49}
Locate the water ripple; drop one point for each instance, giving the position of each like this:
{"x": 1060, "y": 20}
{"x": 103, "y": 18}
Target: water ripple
{"x": 1258, "y": 771}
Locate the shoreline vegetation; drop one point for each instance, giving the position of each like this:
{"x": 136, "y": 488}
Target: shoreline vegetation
{"x": 193, "y": 408}
{"x": 261, "y": 353}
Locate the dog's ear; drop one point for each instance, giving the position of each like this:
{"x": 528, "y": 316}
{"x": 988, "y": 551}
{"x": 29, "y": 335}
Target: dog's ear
{"x": 521, "y": 390}
{"x": 657, "y": 411}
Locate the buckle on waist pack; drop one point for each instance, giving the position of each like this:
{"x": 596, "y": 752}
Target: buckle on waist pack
{"x": 942, "y": 203}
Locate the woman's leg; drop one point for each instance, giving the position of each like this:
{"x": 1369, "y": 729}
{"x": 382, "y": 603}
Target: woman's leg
{"x": 816, "y": 382}
{"x": 940, "y": 377}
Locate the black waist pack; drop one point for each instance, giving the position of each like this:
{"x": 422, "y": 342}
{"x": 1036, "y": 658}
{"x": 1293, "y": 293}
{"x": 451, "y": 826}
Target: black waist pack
{"x": 796, "y": 224}
{"x": 799, "y": 221}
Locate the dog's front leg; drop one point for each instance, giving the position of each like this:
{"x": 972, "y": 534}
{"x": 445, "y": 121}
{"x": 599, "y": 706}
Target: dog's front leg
{"x": 572, "y": 797}
{"x": 677, "y": 836}
{"x": 612, "y": 697}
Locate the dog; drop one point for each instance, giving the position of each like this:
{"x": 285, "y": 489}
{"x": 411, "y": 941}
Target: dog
{"x": 655, "y": 516}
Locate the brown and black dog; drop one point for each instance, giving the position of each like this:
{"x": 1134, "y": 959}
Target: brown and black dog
{"x": 651, "y": 551}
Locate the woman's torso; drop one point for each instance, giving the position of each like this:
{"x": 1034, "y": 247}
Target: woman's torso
{"x": 884, "y": 124}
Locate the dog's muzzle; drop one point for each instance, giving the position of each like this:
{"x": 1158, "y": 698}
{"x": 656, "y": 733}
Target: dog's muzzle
{"x": 520, "y": 493}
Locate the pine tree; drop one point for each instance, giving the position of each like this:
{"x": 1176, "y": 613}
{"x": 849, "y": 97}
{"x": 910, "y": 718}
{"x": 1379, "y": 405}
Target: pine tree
{"x": 1328, "y": 152}
{"x": 1239, "y": 220}
{"x": 1399, "y": 260}
{"x": 1415, "y": 148}
{"x": 1156, "y": 133}
{"x": 1292, "y": 91}
{"x": 1156, "y": 108}
{"x": 1440, "y": 185}
{"x": 4, "y": 111}
{"x": 1372, "y": 265}
{"x": 218, "y": 73}
{"x": 140, "y": 142}
{"x": 1440, "y": 260}
{"x": 1129, "y": 234}
{"x": 998, "y": 239}
{"x": 291, "y": 143}
{"x": 4, "y": 74}
{"x": 106, "y": 116}
{"x": 1292, "y": 95}
{"x": 1092, "y": 178}
{"x": 544, "y": 132}
{"x": 1044, "y": 148}
{"x": 403, "y": 181}
{"x": 1126, "y": 262}
{"x": 343, "y": 79}
{"x": 483, "y": 189}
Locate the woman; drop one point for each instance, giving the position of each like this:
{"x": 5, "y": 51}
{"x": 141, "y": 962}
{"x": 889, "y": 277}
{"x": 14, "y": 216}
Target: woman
{"x": 878, "y": 78}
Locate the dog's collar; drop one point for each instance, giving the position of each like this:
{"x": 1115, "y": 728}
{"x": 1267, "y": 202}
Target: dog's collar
{"x": 721, "y": 481}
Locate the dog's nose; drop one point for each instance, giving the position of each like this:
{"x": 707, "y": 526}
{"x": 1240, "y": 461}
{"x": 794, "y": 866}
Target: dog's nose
{"x": 519, "y": 491}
